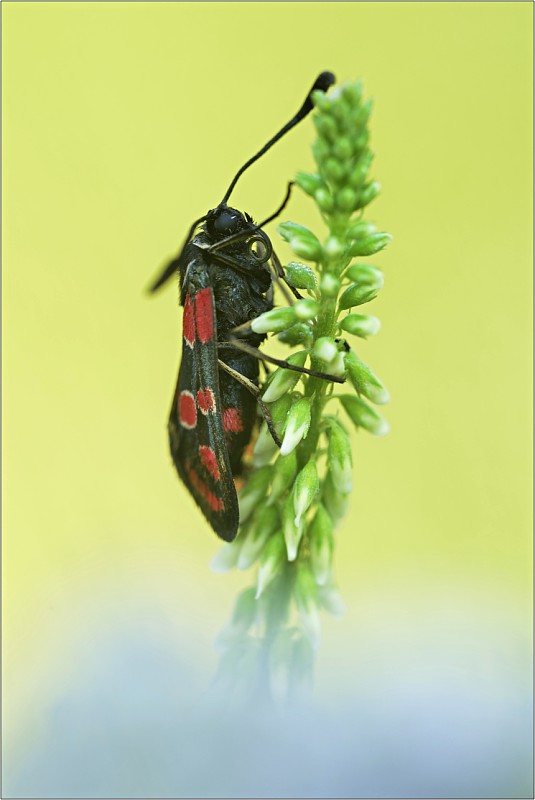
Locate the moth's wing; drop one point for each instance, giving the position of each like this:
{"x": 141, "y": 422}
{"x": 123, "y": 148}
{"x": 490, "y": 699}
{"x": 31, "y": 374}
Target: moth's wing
{"x": 240, "y": 407}
{"x": 196, "y": 430}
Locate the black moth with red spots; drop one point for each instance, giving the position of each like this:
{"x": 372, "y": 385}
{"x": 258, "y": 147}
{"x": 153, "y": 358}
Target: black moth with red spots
{"x": 226, "y": 275}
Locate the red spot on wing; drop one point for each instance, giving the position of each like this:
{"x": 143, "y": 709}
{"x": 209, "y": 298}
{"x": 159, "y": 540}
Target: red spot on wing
{"x": 188, "y": 322}
{"x": 187, "y": 410}
{"x": 232, "y": 421}
{"x": 215, "y": 503}
{"x": 209, "y": 460}
{"x": 204, "y": 315}
{"x": 206, "y": 400}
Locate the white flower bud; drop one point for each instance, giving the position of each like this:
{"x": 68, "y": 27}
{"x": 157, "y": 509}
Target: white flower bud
{"x": 272, "y": 558}
{"x": 292, "y": 530}
{"x": 339, "y": 457}
{"x": 284, "y": 380}
{"x": 253, "y": 491}
{"x": 265, "y": 523}
{"x": 305, "y": 489}
{"x": 325, "y": 349}
{"x": 277, "y": 319}
{"x": 321, "y": 546}
{"x": 364, "y": 381}
{"x": 297, "y": 425}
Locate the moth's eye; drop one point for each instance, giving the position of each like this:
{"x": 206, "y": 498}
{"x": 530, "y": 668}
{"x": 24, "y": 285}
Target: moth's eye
{"x": 258, "y": 249}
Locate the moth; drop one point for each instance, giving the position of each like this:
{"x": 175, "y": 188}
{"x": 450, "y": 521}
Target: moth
{"x": 226, "y": 270}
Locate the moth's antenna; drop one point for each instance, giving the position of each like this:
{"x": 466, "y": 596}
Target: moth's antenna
{"x": 321, "y": 83}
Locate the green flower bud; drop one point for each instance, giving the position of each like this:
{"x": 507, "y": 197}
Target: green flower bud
{"x": 284, "y": 380}
{"x": 300, "y": 276}
{"x": 365, "y": 274}
{"x": 309, "y": 183}
{"x": 292, "y": 530}
{"x": 279, "y": 411}
{"x": 340, "y": 108}
{"x": 254, "y": 491}
{"x": 305, "y": 489}
{"x": 299, "y": 333}
{"x": 372, "y": 244}
{"x": 368, "y": 281}
{"x": 326, "y": 349}
{"x": 265, "y": 448}
{"x": 343, "y": 149}
{"x": 322, "y": 101}
{"x": 325, "y": 200}
{"x": 302, "y": 241}
{"x": 321, "y": 546}
{"x": 361, "y": 141}
{"x": 361, "y": 229}
{"x": 277, "y": 319}
{"x": 297, "y": 425}
{"x": 356, "y": 295}
{"x": 306, "y": 601}
{"x": 306, "y": 309}
{"x": 272, "y": 559}
{"x": 320, "y": 151}
{"x": 362, "y": 325}
{"x": 326, "y": 127}
{"x": 359, "y": 173}
{"x": 335, "y": 501}
{"x": 364, "y": 416}
{"x": 265, "y": 523}
{"x": 334, "y": 170}
{"x": 305, "y": 249}
{"x": 352, "y": 92}
{"x": 330, "y": 285}
{"x": 339, "y": 456}
{"x": 345, "y": 199}
{"x": 363, "y": 113}
{"x": 284, "y": 472}
{"x": 331, "y": 599}
{"x": 334, "y": 247}
{"x": 364, "y": 381}
{"x": 368, "y": 193}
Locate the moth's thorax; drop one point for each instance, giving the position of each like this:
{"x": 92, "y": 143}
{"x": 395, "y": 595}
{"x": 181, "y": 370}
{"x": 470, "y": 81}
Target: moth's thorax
{"x": 231, "y": 239}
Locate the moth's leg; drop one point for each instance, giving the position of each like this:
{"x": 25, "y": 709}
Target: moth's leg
{"x": 280, "y": 278}
{"x": 254, "y": 351}
{"x": 255, "y": 391}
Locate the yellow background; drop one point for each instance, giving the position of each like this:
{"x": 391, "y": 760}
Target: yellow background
{"x": 123, "y": 122}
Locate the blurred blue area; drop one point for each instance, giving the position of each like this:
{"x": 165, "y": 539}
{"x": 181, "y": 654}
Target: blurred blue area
{"x": 138, "y": 725}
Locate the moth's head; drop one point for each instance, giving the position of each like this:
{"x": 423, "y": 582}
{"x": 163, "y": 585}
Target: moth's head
{"x": 235, "y": 235}
{"x": 224, "y": 221}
